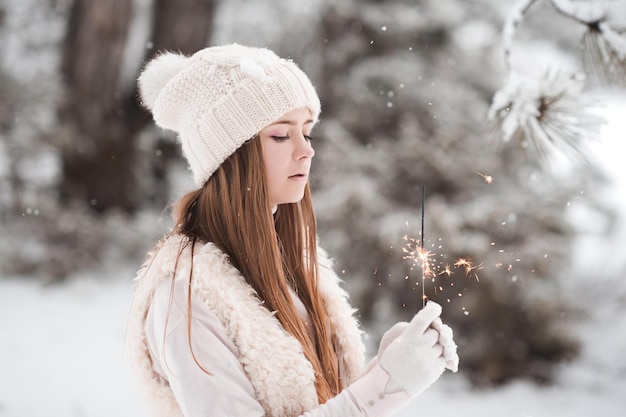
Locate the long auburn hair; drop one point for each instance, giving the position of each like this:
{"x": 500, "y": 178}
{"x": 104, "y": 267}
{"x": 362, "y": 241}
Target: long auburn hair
{"x": 272, "y": 251}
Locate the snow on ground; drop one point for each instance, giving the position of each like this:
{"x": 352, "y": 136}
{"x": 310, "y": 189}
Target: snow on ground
{"x": 61, "y": 355}
{"x": 61, "y": 346}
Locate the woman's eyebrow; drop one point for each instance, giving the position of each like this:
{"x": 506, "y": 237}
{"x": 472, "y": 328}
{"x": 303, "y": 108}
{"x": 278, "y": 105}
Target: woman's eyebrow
{"x": 290, "y": 122}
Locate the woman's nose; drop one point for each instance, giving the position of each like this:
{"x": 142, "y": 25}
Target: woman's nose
{"x": 305, "y": 149}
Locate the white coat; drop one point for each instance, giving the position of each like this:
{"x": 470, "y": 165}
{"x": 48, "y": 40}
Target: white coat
{"x": 257, "y": 368}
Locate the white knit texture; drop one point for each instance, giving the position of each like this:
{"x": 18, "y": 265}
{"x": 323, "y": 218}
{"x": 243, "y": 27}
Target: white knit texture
{"x": 220, "y": 97}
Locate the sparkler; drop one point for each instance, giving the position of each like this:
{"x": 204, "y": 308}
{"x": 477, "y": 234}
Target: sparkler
{"x": 430, "y": 268}
{"x": 422, "y": 251}
{"x": 416, "y": 251}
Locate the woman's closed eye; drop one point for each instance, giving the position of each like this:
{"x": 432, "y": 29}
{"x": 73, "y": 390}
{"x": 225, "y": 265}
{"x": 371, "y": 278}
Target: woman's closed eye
{"x": 284, "y": 138}
{"x": 280, "y": 138}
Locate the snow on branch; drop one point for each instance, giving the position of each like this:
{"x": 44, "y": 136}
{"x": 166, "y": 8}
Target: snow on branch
{"x": 604, "y": 51}
{"x": 510, "y": 27}
{"x": 548, "y": 114}
{"x": 586, "y": 12}
{"x": 551, "y": 111}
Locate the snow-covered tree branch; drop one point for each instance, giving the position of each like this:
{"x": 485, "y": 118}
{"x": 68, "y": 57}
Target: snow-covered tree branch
{"x": 550, "y": 110}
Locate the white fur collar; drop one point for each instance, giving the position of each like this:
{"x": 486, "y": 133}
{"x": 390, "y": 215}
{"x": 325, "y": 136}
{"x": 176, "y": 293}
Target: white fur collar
{"x": 273, "y": 360}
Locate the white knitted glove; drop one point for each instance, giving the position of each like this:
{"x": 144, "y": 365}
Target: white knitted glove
{"x": 391, "y": 335}
{"x": 449, "y": 347}
{"x": 446, "y": 340}
{"x": 415, "y": 359}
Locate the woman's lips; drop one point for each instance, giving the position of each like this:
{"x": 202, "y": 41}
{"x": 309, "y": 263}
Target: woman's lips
{"x": 298, "y": 177}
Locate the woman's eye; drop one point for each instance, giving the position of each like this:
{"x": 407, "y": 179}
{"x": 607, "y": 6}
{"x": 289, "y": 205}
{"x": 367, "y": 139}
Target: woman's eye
{"x": 280, "y": 138}
{"x": 308, "y": 137}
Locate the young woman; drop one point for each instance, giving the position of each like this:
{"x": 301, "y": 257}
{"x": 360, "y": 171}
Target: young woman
{"x": 238, "y": 312}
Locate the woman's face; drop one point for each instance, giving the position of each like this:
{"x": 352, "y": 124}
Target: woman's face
{"x": 287, "y": 154}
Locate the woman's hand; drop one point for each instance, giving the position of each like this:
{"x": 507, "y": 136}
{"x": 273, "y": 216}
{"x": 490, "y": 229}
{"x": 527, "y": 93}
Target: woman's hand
{"x": 447, "y": 341}
{"x": 415, "y": 354}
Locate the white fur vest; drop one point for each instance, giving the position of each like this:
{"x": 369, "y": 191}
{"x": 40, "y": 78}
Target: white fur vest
{"x": 282, "y": 377}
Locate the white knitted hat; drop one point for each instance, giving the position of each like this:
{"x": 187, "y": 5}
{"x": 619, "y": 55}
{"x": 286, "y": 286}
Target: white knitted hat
{"x": 220, "y": 97}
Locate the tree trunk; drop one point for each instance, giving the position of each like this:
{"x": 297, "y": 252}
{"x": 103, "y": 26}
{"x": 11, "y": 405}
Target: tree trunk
{"x": 182, "y": 25}
{"x": 99, "y": 120}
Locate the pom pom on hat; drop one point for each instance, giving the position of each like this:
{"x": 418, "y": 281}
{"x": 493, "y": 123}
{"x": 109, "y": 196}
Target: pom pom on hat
{"x": 221, "y": 97}
{"x": 157, "y": 74}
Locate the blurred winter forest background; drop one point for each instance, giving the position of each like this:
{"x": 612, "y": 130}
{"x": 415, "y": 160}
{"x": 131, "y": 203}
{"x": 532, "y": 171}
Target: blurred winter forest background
{"x": 407, "y": 88}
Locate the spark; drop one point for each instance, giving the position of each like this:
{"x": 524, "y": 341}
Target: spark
{"x": 469, "y": 266}
{"x": 446, "y": 271}
{"x": 488, "y": 178}
{"x": 422, "y": 258}
{"x": 425, "y": 260}
{"x": 463, "y": 262}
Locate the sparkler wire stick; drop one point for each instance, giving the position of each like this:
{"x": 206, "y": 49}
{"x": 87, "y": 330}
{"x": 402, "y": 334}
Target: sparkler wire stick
{"x": 423, "y": 253}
